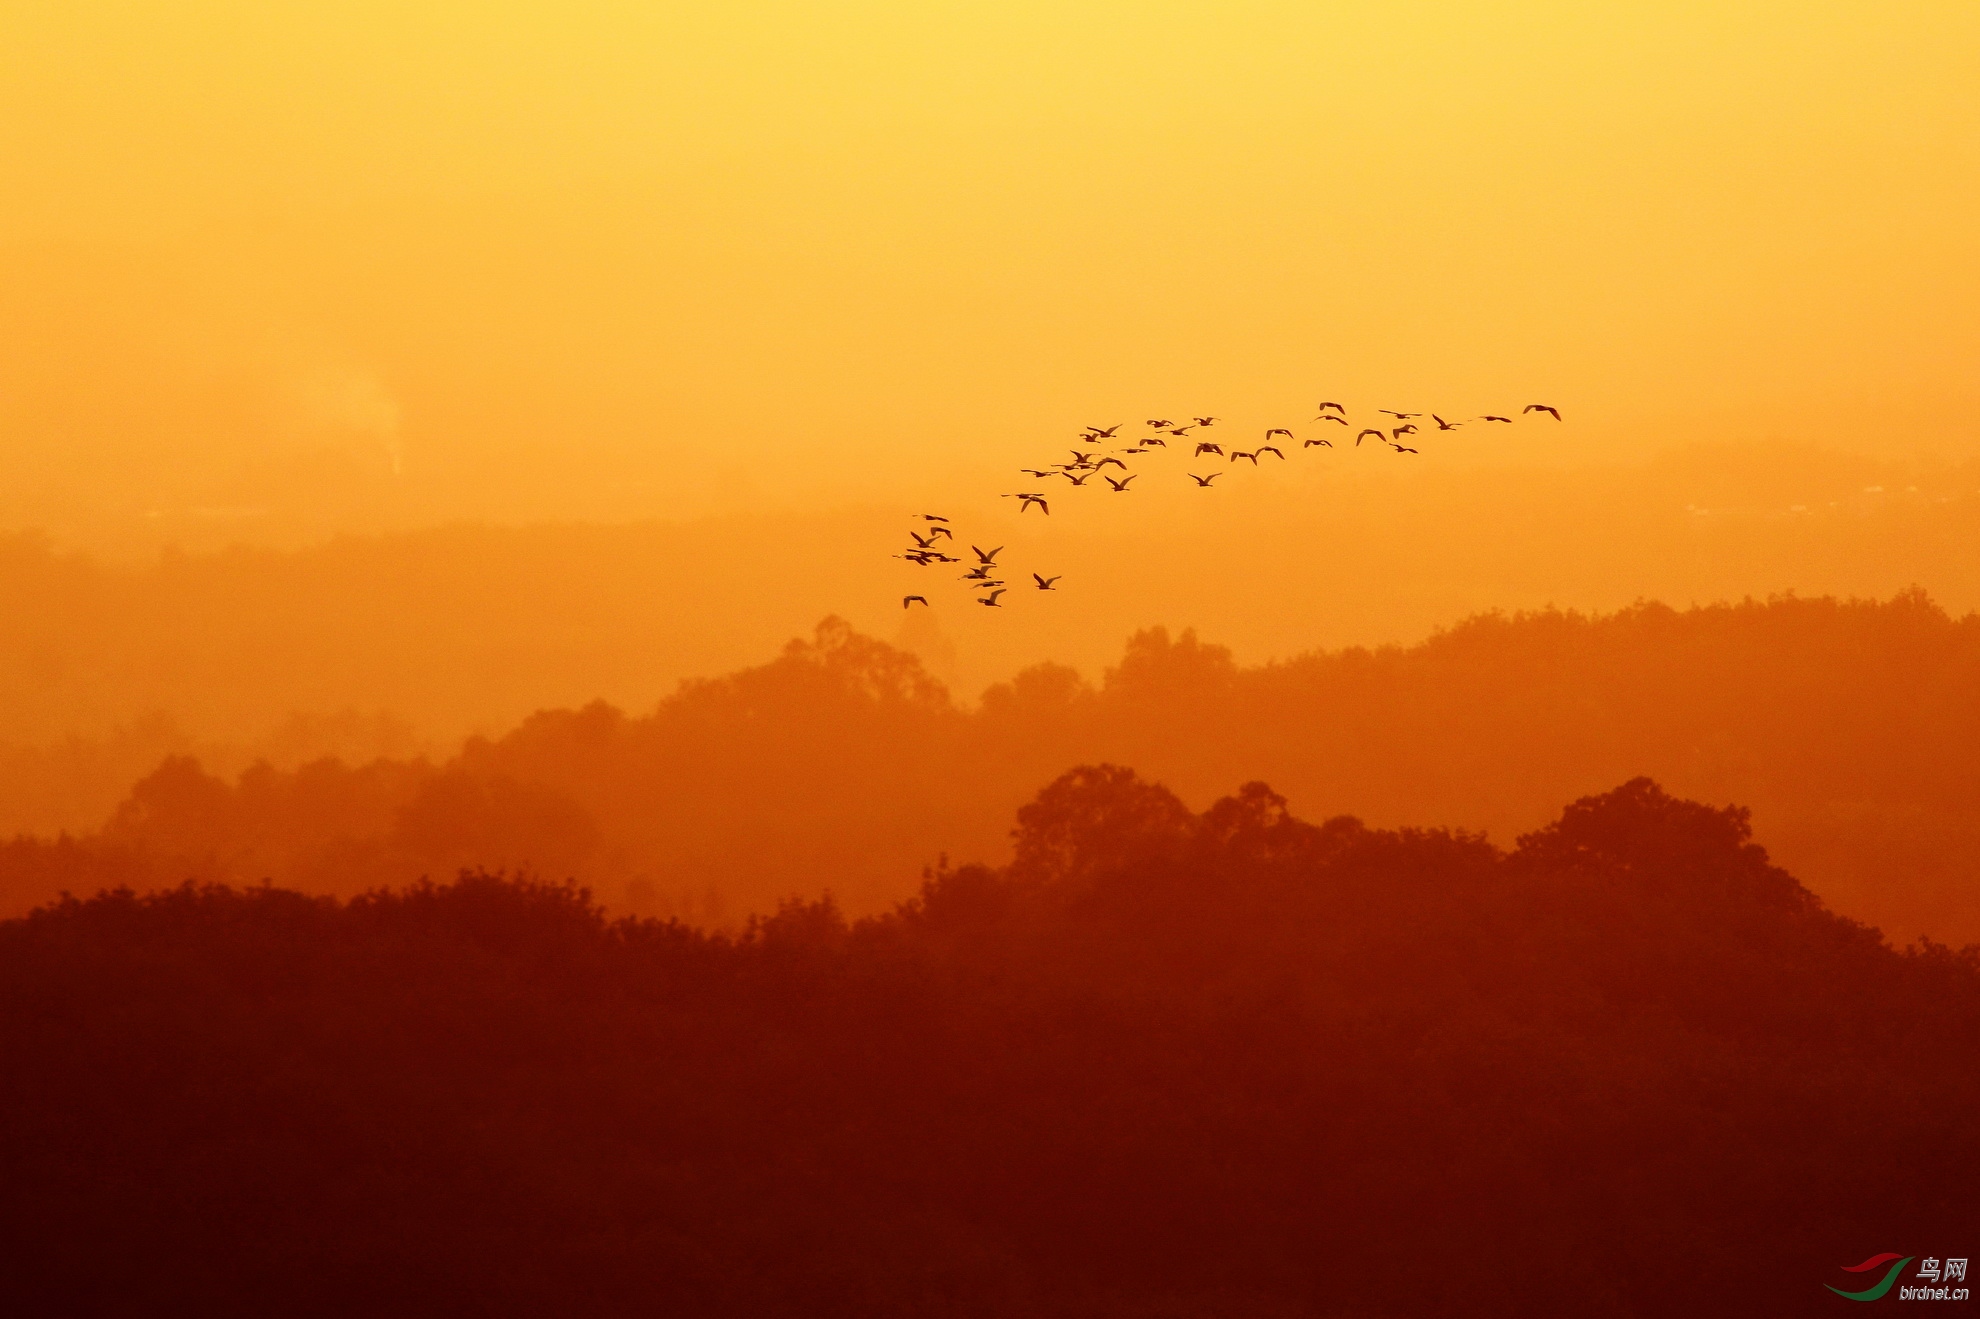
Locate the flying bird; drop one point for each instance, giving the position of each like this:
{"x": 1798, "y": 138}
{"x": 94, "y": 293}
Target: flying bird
{"x": 1328, "y": 416}
{"x": 907, "y": 600}
{"x": 1159, "y": 423}
{"x": 933, "y": 532}
{"x": 1268, "y": 448}
{"x": 1203, "y": 481}
{"x": 991, "y": 599}
{"x": 1115, "y": 461}
{"x": 1310, "y": 443}
{"x": 1033, "y": 471}
{"x": 1399, "y": 416}
{"x": 1489, "y": 417}
{"x": 1039, "y": 500}
{"x": 1045, "y": 583}
{"x": 1335, "y": 406}
{"x": 980, "y": 573}
{"x": 1076, "y": 480}
{"x": 1443, "y": 425}
{"x": 1239, "y": 453}
{"x": 1095, "y": 432}
{"x": 1205, "y": 421}
{"x": 1402, "y": 448}
{"x": 990, "y": 556}
{"x": 1279, "y": 430}
{"x": 1152, "y": 442}
{"x": 1202, "y": 449}
{"x": 923, "y": 541}
{"x": 1181, "y": 430}
{"x": 1404, "y": 430}
{"x": 1365, "y": 434}
{"x": 1120, "y": 486}
{"x": 1542, "y": 407}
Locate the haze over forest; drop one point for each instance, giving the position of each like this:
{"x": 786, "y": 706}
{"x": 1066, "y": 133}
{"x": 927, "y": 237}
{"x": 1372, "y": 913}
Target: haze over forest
{"x": 494, "y": 806}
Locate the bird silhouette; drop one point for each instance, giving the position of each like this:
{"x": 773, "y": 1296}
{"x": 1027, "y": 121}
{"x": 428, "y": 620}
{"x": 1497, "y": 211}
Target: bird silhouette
{"x": 1203, "y": 481}
{"x": 1542, "y": 407}
{"x": 1202, "y": 449}
{"x": 990, "y": 599}
{"x": 1045, "y": 583}
{"x": 1159, "y": 423}
{"x": 1152, "y": 442}
{"x": 1489, "y": 417}
{"x": 1335, "y": 406}
{"x": 1181, "y": 430}
{"x": 907, "y": 600}
{"x": 1310, "y": 443}
{"x": 1115, "y": 461}
{"x": 1279, "y": 430}
{"x": 1120, "y": 486}
{"x": 933, "y": 532}
{"x": 1096, "y": 433}
{"x": 1239, "y": 453}
{"x": 1206, "y": 421}
{"x": 1033, "y": 471}
{"x": 1443, "y": 425}
{"x": 1402, "y": 448}
{"x": 980, "y": 573}
{"x": 1399, "y": 416}
{"x": 930, "y": 517}
{"x": 1079, "y": 480}
{"x": 1039, "y": 500}
{"x": 1404, "y": 430}
{"x": 923, "y": 541}
{"x": 1268, "y": 448}
{"x": 1365, "y": 434}
{"x": 1328, "y": 416}
{"x": 987, "y": 556}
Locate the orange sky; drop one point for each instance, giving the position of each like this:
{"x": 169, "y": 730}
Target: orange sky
{"x": 373, "y": 264}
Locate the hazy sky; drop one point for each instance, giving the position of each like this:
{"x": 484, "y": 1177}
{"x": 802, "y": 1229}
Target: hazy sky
{"x": 414, "y": 261}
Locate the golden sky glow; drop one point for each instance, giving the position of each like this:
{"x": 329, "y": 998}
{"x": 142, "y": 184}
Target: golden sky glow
{"x": 635, "y": 260}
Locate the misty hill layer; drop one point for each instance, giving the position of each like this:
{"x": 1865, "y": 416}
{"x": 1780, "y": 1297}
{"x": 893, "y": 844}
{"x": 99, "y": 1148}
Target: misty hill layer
{"x": 464, "y": 627}
{"x": 1852, "y": 729}
{"x": 1161, "y": 1064}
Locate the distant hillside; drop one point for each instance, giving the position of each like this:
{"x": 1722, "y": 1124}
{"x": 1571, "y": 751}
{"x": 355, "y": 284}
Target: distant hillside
{"x": 1852, "y": 730}
{"x": 466, "y": 628}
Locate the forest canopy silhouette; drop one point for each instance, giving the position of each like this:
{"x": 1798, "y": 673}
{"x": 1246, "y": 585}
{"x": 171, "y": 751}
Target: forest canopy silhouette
{"x": 1851, "y": 728}
{"x": 1160, "y": 1063}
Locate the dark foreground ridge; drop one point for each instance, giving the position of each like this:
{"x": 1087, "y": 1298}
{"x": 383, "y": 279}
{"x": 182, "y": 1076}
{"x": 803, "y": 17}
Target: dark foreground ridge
{"x": 1164, "y": 1064}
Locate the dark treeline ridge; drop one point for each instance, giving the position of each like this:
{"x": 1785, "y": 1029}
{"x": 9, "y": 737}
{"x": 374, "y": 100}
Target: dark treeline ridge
{"x": 1852, "y": 729}
{"x": 1161, "y": 1064}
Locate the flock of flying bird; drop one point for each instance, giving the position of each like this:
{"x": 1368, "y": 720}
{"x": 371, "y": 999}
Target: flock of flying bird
{"x": 935, "y": 538}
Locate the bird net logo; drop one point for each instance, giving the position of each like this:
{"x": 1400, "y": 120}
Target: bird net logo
{"x": 1935, "y": 1279}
